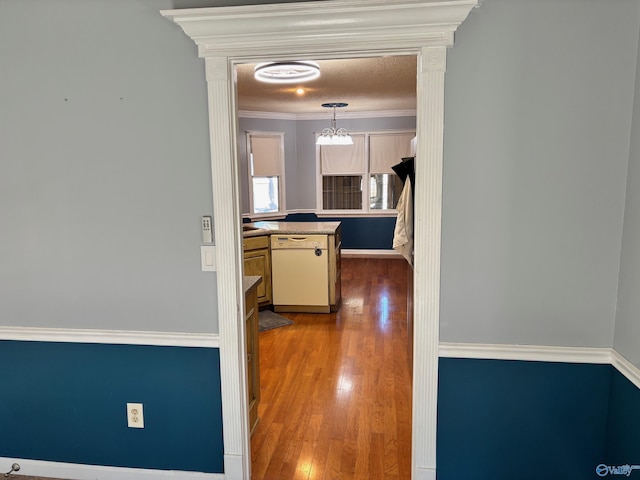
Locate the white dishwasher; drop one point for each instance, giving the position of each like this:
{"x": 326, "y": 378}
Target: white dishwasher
{"x": 300, "y": 273}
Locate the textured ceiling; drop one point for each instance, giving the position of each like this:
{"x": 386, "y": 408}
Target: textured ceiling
{"x": 366, "y": 84}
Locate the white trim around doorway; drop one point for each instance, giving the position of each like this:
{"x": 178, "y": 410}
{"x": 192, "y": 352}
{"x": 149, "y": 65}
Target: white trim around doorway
{"x": 226, "y": 36}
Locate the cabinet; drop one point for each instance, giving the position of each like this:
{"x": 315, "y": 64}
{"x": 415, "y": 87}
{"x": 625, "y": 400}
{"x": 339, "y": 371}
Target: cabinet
{"x": 257, "y": 262}
{"x": 335, "y": 269}
{"x": 253, "y": 353}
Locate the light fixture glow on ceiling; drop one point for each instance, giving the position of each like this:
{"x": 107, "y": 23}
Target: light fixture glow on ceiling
{"x": 333, "y": 135}
{"x": 286, "y": 72}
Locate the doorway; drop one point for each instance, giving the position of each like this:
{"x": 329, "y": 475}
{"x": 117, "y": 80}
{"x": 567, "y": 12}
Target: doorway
{"x": 227, "y": 36}
{"x": 381, "y": 93}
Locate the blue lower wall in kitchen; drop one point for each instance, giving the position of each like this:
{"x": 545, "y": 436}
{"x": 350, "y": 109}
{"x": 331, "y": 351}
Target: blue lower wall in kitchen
{"x": 363, "y": 233}
{"x": 623, "y": 426}
{"x": 66, "y": 402}
{"x": 505, "y": 420}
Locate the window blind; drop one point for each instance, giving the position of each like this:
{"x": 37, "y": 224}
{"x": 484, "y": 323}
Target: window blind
{"x": 386, "y": 150}
{"x": 343, "y": 159}
{"x": 266, "y": 155}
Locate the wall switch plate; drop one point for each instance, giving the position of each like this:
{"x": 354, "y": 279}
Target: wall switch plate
{"x": 208, "y": 258}
{"x": 135, "y": 417}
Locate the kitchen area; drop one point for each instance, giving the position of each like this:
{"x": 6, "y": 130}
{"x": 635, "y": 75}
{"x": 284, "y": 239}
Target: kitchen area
{"x": 285, "y": 172}
{"x": 299, "y": 263}
{"x": 288, "y": 267}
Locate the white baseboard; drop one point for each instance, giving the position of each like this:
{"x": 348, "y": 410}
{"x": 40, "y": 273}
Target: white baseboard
{"x": 122, "y": 337}
{"x": 536, "y": 353}
{"x": 361, "y": 253}
{"x": 424, "y": 473}
{"x": 73, "y": 471}
{"x": 234, "y": 467}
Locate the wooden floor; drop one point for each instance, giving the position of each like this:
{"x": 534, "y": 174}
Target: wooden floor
{"x": 336, "y": 388}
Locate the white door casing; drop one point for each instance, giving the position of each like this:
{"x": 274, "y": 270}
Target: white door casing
{"x": 226, "y": 36}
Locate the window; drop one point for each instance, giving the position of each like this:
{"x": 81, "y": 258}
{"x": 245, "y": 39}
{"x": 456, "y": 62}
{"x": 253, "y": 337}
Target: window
{"x": 341, "y": 168}
{"x": 265, "y": 151}
{"x": 342, "y": 192}
{"x": 385, "y": 151}
{"x": 358, "y": 178}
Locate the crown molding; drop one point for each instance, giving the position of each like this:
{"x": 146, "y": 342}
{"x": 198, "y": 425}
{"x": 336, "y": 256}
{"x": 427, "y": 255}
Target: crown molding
{"x": 257, "y": 30}
{"x": 267, "y": 115}
{"x": 323, "y": 115}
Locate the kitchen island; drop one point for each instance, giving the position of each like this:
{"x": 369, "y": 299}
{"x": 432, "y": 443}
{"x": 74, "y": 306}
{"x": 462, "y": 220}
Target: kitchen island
{"x": 299, "y": 261}
{"x": 291, "y": 228}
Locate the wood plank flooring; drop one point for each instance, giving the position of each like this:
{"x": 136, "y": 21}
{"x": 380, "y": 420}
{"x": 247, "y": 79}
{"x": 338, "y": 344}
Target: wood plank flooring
{"x": 336, "y": 388}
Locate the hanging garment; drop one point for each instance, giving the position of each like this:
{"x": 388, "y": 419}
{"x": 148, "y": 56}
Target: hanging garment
{"x": 405, "y": 169}
{"x": 403, "y": 233}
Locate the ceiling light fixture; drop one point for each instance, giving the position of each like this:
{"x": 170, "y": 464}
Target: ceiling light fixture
{"x": 286, "y": 72}
{"x": 333, "y": 135}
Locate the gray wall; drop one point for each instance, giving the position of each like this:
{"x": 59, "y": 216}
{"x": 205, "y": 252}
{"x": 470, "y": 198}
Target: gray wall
{"x": 104, "y": 168}
{"x": 538, "y": 111}
{"x": 627, "y": 333}
{"x": 538, "y": 119}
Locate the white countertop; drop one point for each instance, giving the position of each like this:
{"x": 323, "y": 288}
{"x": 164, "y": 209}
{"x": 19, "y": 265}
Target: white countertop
{"x": 291, "y": 228}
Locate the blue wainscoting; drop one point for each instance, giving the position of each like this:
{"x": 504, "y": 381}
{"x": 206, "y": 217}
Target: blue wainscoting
{"x": 623, "y": 426}
{"x": 361, "y": 233}
{"x": 506, "y": 420}
{"x": 66, "y": 402}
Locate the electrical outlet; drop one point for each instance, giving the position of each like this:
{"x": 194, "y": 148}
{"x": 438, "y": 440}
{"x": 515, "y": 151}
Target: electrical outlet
{"x": 135, "y": 418}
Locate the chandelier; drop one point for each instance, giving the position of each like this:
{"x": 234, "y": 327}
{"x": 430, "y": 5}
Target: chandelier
{"x": 333, "y": 135}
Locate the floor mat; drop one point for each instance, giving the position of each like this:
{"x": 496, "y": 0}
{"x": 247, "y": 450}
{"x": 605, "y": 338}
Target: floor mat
{"x": 268, "y": 320}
